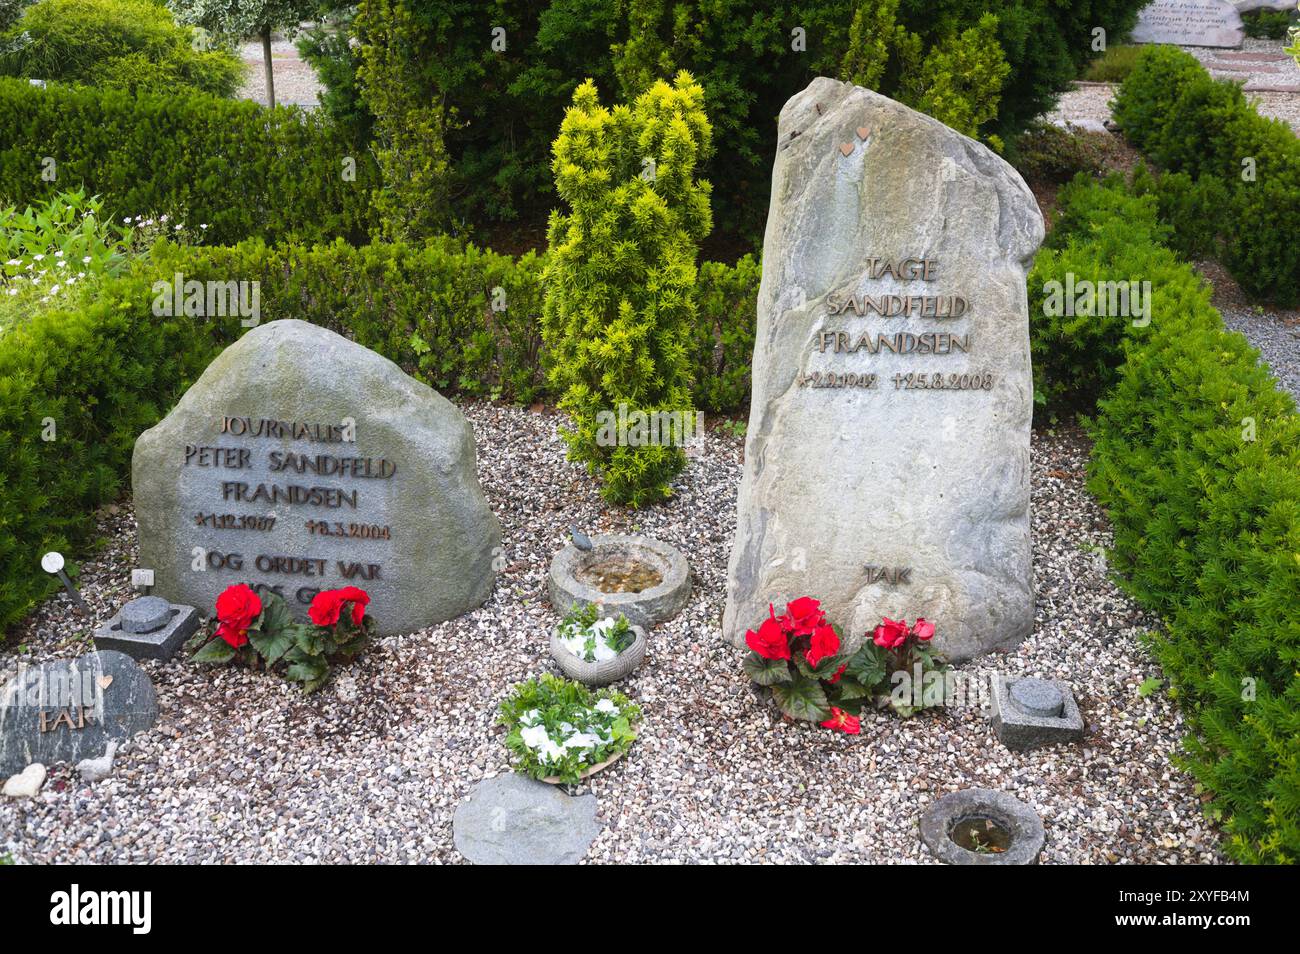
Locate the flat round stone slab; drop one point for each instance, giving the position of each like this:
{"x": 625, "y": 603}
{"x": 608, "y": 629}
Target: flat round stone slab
{"x": 1037, "y": 697}
{"x": 1017, "y": 819}
{"x": 67, "y": 710}
{"x": 145, "y": 614}
{"x": 513, "y": 820}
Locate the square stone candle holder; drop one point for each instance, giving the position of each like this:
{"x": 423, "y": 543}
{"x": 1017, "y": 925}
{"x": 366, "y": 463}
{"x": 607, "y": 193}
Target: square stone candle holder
{"x": 1031, "y": 712}
{"x": 148, "y": 627}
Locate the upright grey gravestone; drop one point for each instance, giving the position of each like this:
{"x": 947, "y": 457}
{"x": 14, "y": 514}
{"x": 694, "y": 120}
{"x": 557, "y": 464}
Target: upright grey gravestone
{"x": 887, "y": 454}
{"x": 300, "y": 461}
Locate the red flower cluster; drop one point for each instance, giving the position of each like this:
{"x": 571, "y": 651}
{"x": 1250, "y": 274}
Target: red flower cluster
{"x": 803, "y": 619}
{"x": 237, "y": 607}
{"x": 893, "y": 634}
{"x": 328, "y": 605}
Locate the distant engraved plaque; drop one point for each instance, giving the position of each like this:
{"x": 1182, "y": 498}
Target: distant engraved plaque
{"x": 1190, "y": 23}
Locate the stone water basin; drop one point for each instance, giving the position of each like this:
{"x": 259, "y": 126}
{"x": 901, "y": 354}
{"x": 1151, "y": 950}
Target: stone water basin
{"x": 645, "y": 579}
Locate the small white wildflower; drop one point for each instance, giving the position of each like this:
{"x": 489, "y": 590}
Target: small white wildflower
{"x": 54, "y": 290}
{"x": 127, "y": 219}
{"x": 59, "y": 253}
{"x": 13, "y": 261}
{"x": 38, "y": 257}
{"x": 607, "y": 706}
{"x": 204, "y": 225}
{"x": 85, "y": 260}
{"x": 162, "y": 218}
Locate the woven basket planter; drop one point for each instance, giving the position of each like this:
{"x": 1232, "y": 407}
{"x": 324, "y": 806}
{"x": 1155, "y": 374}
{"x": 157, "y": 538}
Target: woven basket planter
{"x": 599, "y": 673}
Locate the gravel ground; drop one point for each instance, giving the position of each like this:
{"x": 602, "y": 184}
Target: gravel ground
{"x": 243, "y": 768}
{"x": 1274, "y": 331}
{"x": 295, "y": 80}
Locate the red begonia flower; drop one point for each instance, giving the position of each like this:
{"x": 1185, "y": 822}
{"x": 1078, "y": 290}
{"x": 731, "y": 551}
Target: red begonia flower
{"x": 841, "y": 721}
{"x": 890, "y": 634}
{"x": 824, "y": 645}
{"x": 770, "y": 641}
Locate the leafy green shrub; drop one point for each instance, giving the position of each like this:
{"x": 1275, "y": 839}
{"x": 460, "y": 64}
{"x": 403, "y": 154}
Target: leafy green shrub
{"x": 409, "y": 126}
{"x": 331, "y": 53}
{"x": 504, "y": 104}
{"x": 133, "y": 45}
{"x": 1046, "y": 152}
{"x": 723, "y": 334}
{"x": 1114, "y": 65}
{"x": 240, "y": 168}
{"x": 77, "y": 387}
{"x": 48, "y": 251}
{"x": 559, "y": 729}
{"x": 1197, "y": 461}
{"x": 957, "y": 80}
{"x": 1268, "y": 24}
{"x": 460, "y": 318}
{"x": 1186, "y": 121}
{"x": 620, "y": 273}
{"x": 1192, "y": 209}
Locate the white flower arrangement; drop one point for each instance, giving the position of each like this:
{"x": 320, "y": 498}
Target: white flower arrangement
{"x": 559, "y": 729}
{"x": 588, "y": 637}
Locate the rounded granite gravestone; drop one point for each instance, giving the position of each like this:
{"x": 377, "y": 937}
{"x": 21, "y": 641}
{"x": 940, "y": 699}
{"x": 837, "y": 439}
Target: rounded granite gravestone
{"x": 300, "y": 461}
{"x": 70, "y": 709}
{"x": 887, "y": 453}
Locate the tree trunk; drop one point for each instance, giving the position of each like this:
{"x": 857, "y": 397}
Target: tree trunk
{"x": 266, "y": 60}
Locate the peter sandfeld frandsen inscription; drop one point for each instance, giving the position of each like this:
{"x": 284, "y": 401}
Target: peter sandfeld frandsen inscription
{"x": 934, "y": 307}
{"x": 338, "y": 466}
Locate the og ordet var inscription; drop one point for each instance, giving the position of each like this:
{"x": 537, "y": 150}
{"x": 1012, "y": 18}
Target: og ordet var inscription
{"x": 300, "y": 461}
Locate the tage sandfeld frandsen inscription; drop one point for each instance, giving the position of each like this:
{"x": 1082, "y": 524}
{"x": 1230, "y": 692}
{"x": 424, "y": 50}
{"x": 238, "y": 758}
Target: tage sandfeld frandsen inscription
{"x": 934, "y": 307}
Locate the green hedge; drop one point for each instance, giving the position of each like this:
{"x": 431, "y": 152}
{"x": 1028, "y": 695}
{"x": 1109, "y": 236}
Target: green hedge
{"x": 1186, "y": 121}
{"x": 107, "y": 370}
{"x": 244, "y": 170}
{"x": 1197, "y": 461}
{"x": 101, "y": 375}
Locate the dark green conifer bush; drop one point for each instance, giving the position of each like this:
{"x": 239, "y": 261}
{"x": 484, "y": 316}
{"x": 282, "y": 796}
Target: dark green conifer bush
{"x": 1186, "y": 121}
{"x": 1197, "y": 461}
{"x": 243, "y": 170}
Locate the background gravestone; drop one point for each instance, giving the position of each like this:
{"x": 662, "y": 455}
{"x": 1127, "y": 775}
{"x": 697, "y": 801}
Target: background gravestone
{"x": 301, "y": 461}
{"x": 887, "y": 454}
{"x": 68, "y": 709}
{"x": 1190, "y": 23}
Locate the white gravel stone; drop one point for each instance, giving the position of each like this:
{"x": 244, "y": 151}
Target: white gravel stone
{"x": 243, "y": 767}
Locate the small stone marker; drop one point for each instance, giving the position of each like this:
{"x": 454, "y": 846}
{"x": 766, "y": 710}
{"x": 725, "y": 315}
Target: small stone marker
{"x": 148, "y": 627}
{"x": 513, "y": 820}
{"x": 1190, "y": 23}
{"x": 142, "y": 579}
{"x": 887, "y": 451}
{"x": 67, "y": 710}
{"x": 1028, "y": 713}
{"x": 300, "y": 461}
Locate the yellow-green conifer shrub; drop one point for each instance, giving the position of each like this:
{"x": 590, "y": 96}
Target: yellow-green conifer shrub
{"x": 620, "y": 279}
